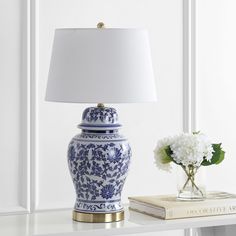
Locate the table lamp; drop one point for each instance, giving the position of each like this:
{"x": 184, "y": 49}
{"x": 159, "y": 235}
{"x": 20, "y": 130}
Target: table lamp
{"x": 100, "y": 65}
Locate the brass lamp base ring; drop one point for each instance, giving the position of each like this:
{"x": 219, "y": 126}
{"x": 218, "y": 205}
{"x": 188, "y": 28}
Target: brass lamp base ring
{"x": 98, "y": 217}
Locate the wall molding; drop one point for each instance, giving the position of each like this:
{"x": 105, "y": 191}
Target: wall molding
{"x": 33, "y": 98}
{"x": 189, "y": 66}
{"x": 14, "y": 210}
{"x": 189, "y": 74}
{"x": 25, "y": 144}
{"x": 25, "y": 109}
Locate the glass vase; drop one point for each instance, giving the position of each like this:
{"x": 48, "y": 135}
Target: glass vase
{"x": 191, "y": 186}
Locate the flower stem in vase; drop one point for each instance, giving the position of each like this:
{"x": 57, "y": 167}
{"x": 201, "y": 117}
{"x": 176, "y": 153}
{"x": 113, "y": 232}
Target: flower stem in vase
{"x": 190, "y": 190}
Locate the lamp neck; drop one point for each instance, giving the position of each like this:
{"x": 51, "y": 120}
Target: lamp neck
{"x": 114, "y": 131}
{"x": 100, "y": 105}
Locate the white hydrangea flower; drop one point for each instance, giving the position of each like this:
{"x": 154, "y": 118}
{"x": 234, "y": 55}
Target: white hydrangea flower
{"x": 160, "y": 155}
{"x": 190, "y": 149}
{"x": 208, "y": 149}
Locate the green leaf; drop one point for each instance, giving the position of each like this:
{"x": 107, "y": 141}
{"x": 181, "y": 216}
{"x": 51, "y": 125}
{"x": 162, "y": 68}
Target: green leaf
{"x": 206, "y": 163}
{"x": 197, "y": 132}
{"x": 168, "y": 151}
{"x": 217, "y": 157}
{"x": 166, "y": 160}
{"x": 217, "y": 153}
{"x": 166, "y": 155}
{"x": 222, "y": 157}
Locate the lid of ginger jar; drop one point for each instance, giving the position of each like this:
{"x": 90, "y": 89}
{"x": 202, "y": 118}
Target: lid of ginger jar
{"x": 99, "y": 118}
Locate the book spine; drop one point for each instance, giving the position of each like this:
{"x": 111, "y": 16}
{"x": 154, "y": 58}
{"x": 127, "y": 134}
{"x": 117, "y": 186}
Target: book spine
{"x": 197, "y": 211}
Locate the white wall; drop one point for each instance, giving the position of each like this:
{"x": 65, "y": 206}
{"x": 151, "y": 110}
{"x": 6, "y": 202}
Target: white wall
{"x": 12, "y": 109}
{"x": 143, "y": 124}
{"x": 216, "y": 79}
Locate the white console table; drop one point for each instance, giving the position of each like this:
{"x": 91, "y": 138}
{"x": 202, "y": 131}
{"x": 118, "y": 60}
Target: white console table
{"x": 59, "y": 223}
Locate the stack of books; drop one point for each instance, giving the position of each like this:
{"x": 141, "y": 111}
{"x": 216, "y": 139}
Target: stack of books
{"x": 168, "y": 207}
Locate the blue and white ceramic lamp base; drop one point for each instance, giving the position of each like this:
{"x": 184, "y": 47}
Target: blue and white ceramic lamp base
{"x": 98, "y": 160}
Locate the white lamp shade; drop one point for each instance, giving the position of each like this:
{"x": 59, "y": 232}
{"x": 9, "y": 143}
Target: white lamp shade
{"x": 101, "y": 66}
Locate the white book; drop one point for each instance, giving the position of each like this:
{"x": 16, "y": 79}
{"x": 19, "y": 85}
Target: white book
{"x": 168, "y": 207}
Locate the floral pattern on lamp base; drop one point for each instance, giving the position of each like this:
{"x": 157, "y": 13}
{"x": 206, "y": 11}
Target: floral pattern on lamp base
{"x": 99, "y": 160}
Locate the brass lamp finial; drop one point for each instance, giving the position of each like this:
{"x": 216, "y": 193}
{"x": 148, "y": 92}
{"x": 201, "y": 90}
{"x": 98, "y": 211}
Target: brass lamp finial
{"x": 100, "y": 105}
{"x": 100, "y": 25}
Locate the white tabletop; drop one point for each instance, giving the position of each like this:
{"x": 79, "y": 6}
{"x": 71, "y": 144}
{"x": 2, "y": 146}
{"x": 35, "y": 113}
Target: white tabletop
{"x": 61, "y": 224}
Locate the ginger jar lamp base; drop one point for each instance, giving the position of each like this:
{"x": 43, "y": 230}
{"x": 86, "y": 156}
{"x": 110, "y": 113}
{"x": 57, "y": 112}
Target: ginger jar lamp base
{"x": 98, "y": 160}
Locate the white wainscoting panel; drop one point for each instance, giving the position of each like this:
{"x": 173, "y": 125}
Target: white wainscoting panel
{"x": 14, "y": 169}
{"x": 143, "y": 124}
{"x": 216, "y": 83}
